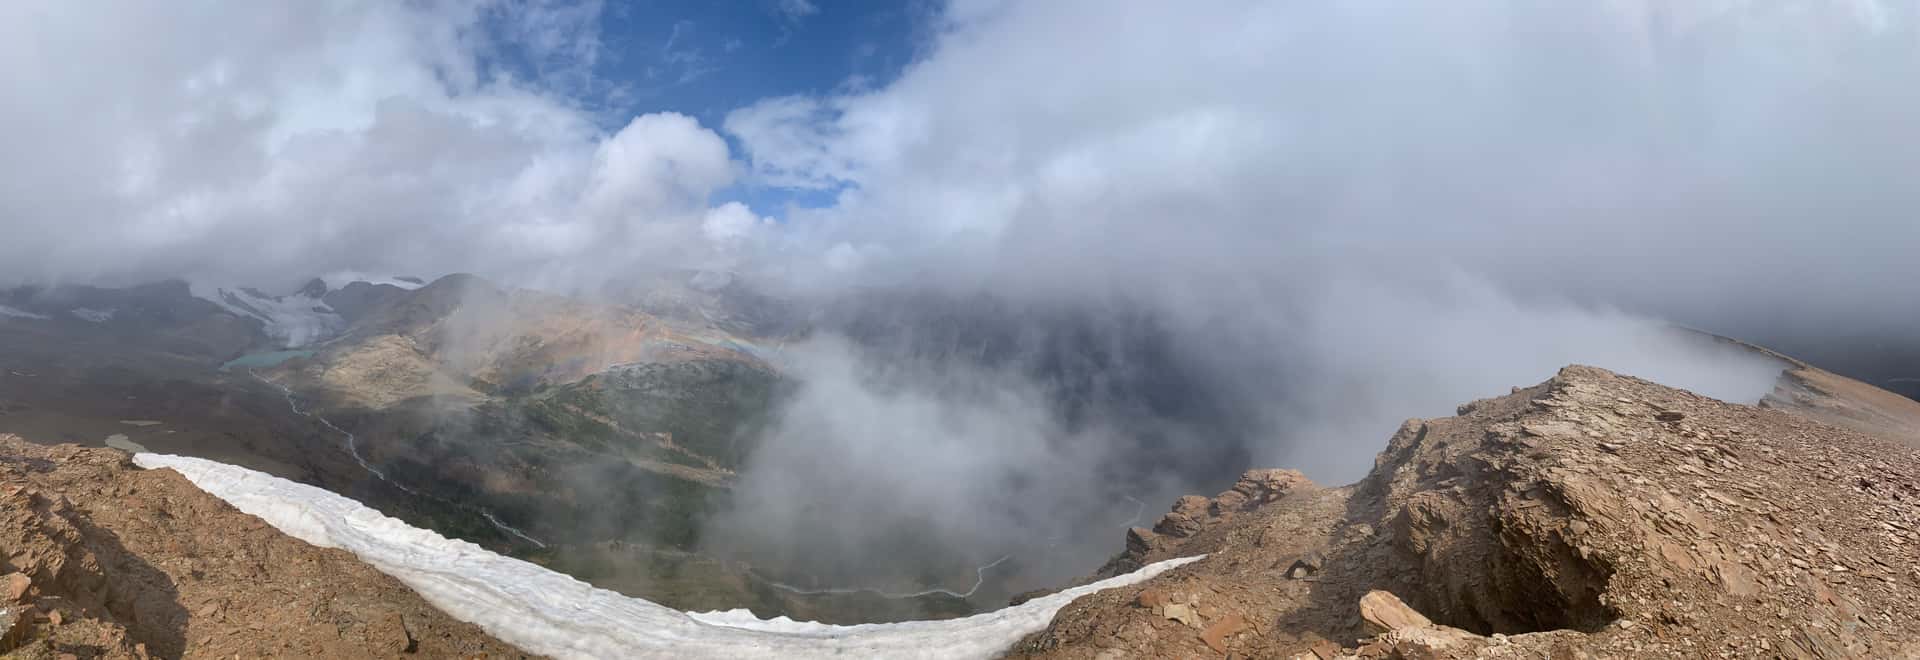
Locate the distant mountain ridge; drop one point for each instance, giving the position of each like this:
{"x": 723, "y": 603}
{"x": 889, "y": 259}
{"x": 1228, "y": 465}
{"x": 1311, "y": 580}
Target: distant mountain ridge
{"x": 316, "y": 312}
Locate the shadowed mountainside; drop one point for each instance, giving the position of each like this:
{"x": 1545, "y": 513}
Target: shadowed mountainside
{"x": 106, "y": 560}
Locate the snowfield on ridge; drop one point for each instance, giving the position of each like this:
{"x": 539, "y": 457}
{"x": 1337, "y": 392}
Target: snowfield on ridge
{"x": 549, "y": 613}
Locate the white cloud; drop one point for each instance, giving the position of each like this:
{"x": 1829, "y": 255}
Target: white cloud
{"x": 731, "y": 223}
{"x": 265, "y": 143}
{"x": 1655, "y": 155}
{"x": 657, "y": 161}
{"x": 794, "y": 10}
{"x": 793, "y": 142}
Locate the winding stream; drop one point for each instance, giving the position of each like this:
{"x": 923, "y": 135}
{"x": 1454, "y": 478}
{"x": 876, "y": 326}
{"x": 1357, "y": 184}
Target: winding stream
{"x": 353, "y": 449}
{"x": 979, "y": 573}
{"x": 980, "y": 578}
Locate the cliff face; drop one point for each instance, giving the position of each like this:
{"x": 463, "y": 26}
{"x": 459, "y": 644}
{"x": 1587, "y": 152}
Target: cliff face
{"x": 103, "y": 559}
{"x": 1594, "y": 515}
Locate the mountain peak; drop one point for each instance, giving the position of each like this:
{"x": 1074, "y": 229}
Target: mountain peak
{"x": 315, "y": 288}
{"x": 1593, "y": 515}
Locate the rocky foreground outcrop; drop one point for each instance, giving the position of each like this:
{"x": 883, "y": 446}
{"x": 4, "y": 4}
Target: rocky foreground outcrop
{"x": 1592, "y": 516}
{"x": 106, "y": 560}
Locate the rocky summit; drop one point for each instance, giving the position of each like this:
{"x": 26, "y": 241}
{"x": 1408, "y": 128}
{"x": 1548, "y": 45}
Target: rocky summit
{"x": 106, "y": 560}
{"x": 1595, "y": 515}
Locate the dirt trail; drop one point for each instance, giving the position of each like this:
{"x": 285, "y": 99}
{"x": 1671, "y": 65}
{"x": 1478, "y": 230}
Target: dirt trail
{"x": 1592, "y": 516}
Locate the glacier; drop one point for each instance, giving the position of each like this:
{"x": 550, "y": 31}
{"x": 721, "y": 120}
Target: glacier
{"x": 293, "y": 320}
{"x": 550, "y": 613}
{"x": 21, "y": 313}
{"x": 93, "y": 315}
{"x": 338, "y": 280}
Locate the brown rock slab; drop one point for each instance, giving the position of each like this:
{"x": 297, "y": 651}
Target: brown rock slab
{"x": 1385, "y": 612}
{"x": 1228, "y": 502}
{"x": 16, "y": 585}
{"x": 1193, "y": 506}
{"x": 1434, "y": 643}
{"x": 1183, "y": 613}
{"x": 1216, "y": 635}
{"x": 1262, "y": 486}
{"x": 390, "y": 634}
{"x": 1177, "y": 525}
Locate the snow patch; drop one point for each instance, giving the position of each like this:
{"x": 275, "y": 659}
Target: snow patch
{"x": 339, "y": 280}
{"x": 90, "y": 314}
{"x": 293, "y": 320}
{"x": 21, "y": 313}
{"x": 549, "y": 613}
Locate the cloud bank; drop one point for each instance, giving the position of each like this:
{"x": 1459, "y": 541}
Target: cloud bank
{"x": 264, "y": 144}
{"x": 1634, "y": 153}
{"x": 1339, "y": 215}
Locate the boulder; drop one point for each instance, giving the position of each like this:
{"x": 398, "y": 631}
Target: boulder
{"x": 1385, "y": 612}
{"x": 16, "y": 585}
{"x": 1216, "y": 635}
{"x": 1192, "y": 506}
{"x": 1263, "y": 486}
{"x": 1183, "y": 613}
{"x": 1228, "y": 502}
{"x": 1139, "y": 541}
{"x": 1306, "y": 566}
{"x": 1178, "y": 525}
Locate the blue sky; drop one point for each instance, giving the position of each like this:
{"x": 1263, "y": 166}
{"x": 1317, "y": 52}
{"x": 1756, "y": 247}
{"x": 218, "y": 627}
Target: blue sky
{"x": 707, "y": 58}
